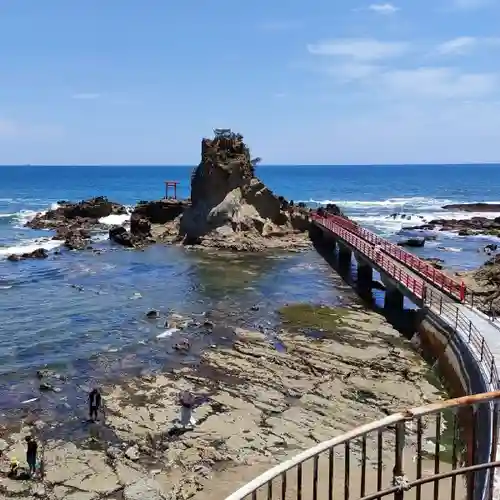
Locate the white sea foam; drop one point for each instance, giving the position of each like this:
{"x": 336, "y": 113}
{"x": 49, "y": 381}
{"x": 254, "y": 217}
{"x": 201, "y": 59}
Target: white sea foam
{"x": 29, "y": 246}
{"x": 419, "y": 202}
{"x": 417, "y": 211}
{"x": 115, "y": 220}
{"x": 167, "y": 333}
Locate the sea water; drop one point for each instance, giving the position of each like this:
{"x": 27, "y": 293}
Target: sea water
{"x": 84, "y": 314}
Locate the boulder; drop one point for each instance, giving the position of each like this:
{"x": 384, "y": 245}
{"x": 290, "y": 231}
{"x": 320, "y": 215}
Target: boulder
{"x": 39, "y": 253}
{"x": 75, "y": 237}
{"x": 120, "y": 235}
{"x": 132, "y": 453}
{"x": 412, "y": 242}
{"x": 160, "y": 211}
{"x": 139, "y": 225}
{"x": 230, "y": 206}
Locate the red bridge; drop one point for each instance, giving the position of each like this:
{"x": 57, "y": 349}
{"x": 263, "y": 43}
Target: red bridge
{"x": 413, "y": 274}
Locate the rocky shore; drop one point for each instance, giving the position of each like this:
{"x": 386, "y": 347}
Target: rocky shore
{"x": 466, "y": 227}
{"x": 260, "y": 399}
{"x": 463, "y": 227}
{"x": 484, "y": 282}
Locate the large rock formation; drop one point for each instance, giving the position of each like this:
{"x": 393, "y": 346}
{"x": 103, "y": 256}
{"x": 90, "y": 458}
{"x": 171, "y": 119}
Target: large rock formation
{"x": 231, "y": 208}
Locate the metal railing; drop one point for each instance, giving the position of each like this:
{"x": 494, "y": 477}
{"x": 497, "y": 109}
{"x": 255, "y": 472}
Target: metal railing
{"x": 446, "y": 450}
{"x": 468, "y": 332}
{"x": 439, "y": 279}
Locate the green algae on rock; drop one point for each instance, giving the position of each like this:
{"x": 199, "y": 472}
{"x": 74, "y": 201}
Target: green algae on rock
{"x": 312, "y": 316}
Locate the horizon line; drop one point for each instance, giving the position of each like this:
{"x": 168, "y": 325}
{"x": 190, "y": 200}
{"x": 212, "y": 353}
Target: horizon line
{"x": 277, "y": 165}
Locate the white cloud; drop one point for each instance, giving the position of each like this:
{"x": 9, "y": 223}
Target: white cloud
{"x": 383, "y": 8}
{"x": 465, "y": 44}
{"x": 443, "y": 83}
{"x": 363, "y": 49}
{"x": 460, "y": 45}
{"x": 86, "y": 96}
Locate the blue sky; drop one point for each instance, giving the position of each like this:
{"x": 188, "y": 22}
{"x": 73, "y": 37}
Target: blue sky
{"x": 316, "y": 82}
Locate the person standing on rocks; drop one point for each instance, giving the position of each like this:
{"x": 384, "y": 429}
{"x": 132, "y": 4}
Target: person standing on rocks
{"x": 94, "y": 403}
{"x": 186, "y": 400}
{"x": 31, "y": 453}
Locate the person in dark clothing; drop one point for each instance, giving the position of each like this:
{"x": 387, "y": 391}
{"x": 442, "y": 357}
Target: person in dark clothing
{"x": 94, "y": 403}
{"x": 31, "y": 453}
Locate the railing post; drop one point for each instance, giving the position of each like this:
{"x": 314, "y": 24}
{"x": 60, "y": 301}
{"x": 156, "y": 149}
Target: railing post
{"x": 441, "y": 304}
{"x": 482, "y": 347}
{"x": 398, "y": 473}
{"x": 462, "y": 291}
{"x": 456, "y": 320}
{"x": 492, "y": 369}
{"x": 470, "y": 331}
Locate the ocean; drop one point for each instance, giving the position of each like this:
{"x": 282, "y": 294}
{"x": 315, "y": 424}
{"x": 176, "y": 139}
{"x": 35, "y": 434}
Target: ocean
{"x": 84, "y": 314}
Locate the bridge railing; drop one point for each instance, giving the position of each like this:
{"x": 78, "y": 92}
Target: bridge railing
{"x": 443, "y": 450}
{"x": 438, "y": 278}
{"x": 467, "y": 331}
{"x": 415, "y": 285}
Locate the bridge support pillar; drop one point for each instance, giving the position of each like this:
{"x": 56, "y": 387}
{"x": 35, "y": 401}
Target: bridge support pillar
{"x": 345, "y": 256}
{"x": 365, "y": 275}
{"x": 394, "y": 299}
{"x": 331, "y": 241}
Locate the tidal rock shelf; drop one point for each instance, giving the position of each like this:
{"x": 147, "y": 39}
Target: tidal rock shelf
{"x": 257, "y": 405}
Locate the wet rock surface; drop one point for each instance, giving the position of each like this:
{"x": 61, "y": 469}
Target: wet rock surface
{"x": 464, "y": 227}
{"x": 157, "y": 221}
{"x": 412, "y": 242}
{"x": 484, "y": 282}
{"x": 79, "y": 213}
{"x": 474, "y": 207}
{"x": 73, "y": 222}
{"x": 39, "y": 253}
{"x": 255, "y": 406}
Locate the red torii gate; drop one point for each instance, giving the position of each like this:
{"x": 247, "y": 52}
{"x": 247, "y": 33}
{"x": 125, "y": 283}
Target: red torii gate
{"x": 169, "y": 184}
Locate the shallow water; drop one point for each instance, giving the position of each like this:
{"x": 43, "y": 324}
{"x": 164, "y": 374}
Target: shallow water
{"x": 88, "y": 321}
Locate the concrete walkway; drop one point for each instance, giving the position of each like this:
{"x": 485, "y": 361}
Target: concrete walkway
{"x": 490, "y": 330}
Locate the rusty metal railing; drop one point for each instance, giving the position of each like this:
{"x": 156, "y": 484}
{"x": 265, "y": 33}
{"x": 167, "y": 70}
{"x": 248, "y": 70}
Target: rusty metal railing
{"x": 446, "y": 450}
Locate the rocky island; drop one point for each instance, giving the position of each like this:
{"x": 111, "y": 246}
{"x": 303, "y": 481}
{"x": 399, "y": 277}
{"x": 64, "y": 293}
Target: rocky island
{"x": 229, "y": 208}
